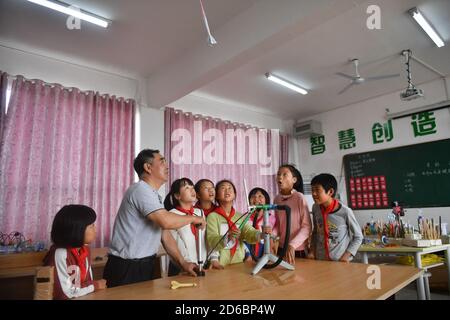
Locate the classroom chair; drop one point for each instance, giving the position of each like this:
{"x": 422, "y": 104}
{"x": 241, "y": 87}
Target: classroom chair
{"x": 43, "y": 283}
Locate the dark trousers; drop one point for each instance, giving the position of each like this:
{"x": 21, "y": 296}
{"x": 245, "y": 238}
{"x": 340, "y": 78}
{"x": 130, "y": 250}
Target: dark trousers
{"x": 119, "y": 272}
{"x": 174, "y": 269}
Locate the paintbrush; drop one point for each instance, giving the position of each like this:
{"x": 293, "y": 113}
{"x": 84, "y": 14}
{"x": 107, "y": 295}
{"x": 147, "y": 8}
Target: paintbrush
{"x": 424, "y": 228}
{"x": 433, "y": 235}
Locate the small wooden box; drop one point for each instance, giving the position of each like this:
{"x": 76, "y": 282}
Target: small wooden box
{"x": 417, "y": 243}
{"x": 397, "y": 241}
{"x": 413, "y": 236}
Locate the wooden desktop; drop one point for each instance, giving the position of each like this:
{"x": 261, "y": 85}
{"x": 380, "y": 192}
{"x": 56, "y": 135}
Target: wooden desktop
{"x": 311, "y": 280}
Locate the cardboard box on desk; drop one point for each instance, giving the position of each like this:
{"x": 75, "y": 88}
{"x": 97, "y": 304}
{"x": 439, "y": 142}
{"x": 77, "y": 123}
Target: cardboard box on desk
{"x": 439, "y": 279}
{"x": 422, "y": 243}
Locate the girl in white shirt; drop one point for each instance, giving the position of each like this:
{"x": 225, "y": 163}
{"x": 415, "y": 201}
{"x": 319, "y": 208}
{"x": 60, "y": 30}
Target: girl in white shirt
{"x": 180, "y": 200}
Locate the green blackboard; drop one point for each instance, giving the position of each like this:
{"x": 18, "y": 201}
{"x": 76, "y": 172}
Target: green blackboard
{"x": 416, "y": 175}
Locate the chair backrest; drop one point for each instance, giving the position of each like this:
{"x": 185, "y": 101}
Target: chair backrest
{"x": 43, "y": 283}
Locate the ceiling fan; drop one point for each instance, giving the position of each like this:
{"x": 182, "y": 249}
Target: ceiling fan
{"x": 357, "y": 79}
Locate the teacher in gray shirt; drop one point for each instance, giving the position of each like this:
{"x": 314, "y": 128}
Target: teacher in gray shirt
{"x": 142, "y": 224}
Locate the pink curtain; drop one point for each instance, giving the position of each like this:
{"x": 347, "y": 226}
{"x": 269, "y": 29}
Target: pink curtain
{"x": 62, "y": 146}
{"x": 203, "y": 147}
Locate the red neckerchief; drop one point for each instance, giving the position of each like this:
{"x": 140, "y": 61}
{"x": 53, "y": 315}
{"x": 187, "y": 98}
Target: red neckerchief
{"x": 231, "y": 225}
{"x": 257, "y": 225}
{"x": 81, "y": 256}
{"x": 206, "y": 211}
{"x": 189, "y": 212}
{"x": 325, "y": 213}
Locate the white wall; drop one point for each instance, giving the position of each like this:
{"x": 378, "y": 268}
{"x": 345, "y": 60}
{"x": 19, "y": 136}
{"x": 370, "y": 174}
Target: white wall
{"x": 227, "y": 110}
{"x": 361, "y": 117}
{"x": 34, "y": 66}
{"x": 152, "y": 129}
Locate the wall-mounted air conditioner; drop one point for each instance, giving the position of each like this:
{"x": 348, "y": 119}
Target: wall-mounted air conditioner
{"x": 307, "y": 129}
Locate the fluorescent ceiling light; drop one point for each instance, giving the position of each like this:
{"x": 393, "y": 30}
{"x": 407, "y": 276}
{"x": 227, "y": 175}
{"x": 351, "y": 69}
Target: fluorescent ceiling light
{"x": 415, "y": 13}
{"x": 285, "y": 83}
{"x": 67, "y": 9}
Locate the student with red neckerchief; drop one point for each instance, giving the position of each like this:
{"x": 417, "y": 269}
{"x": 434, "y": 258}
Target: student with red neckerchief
{"x": 206, "y": 196}
{"x": 180, "y": 200}
{"x": 337, "y": 235}
{"x": 259, "y": 196}
{"x": 231, "y": 249}
{"x": 73, "y": 229}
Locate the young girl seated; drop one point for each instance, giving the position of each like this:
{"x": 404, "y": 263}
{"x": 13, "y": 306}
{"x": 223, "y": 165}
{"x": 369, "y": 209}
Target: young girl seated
{"x": 180, "y": 200}
{"x": 206, "y": 195}
{"x": 258, "y": 196}
{"x": 73, "y": 230}
{"x": 231, "y": 249}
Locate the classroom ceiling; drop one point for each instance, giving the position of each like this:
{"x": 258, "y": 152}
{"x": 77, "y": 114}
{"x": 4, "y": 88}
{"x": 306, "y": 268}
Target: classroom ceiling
{"x": 304, "y": 41}
{"x": 144, "y": 34}
{"x": 313, "y": 58}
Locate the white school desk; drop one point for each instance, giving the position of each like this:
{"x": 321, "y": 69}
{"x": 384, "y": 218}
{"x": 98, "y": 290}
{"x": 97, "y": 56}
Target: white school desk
{"x": 311, "y": 279}
{"x": 416, "y": 253}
